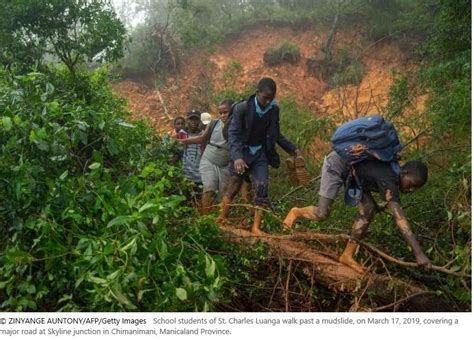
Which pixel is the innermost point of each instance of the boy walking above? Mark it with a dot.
(192, 152)
(254, 131)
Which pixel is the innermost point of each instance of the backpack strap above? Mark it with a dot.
(225, 129)
(353, 188)
(212, 126)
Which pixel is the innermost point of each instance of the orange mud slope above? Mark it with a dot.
(206, 73)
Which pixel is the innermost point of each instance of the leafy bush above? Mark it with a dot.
(232, 71)
(352, 74)
(90, 206)
(344, 68)
(285, 52)
(447, 71)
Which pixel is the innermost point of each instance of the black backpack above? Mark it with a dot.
(225, 129)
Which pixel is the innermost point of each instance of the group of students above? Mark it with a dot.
(234, 151)
(206, 153)
(237, 149)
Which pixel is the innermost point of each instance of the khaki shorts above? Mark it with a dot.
(333, 175)
(214, 178)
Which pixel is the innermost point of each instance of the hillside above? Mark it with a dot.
(206, 73)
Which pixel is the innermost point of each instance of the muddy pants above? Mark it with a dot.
(258, 170)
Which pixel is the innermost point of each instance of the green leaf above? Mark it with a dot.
(66, 297)
(210, 267)
(120, 220)
(3, 284)
(97, 280)
(49, 88)
(125, 124)
(163, 251)
(112, 147)
(64, 175)
(108, 249)
(114, 275)
(147, 206)
(455, 268)
(181, 294)
(31, 289)
(121, 297)
(7, 123)
(129, 245)
(94, 166)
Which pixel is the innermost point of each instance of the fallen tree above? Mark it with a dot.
(388, 292)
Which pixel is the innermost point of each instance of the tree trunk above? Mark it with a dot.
(332, 34)
(341, 278)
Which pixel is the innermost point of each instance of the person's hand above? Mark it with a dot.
(423, 261)
(240, 166)
(173, 134)
(297, 153)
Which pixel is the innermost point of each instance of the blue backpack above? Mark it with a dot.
(365, 138)
(369, 137)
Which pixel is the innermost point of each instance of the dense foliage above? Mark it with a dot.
(90, 204)
(94, 216)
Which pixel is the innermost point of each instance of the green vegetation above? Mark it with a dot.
(344, 68)
(95, 218)
(349, 69)
(233, 70)
(70, 31)
(90, 203)
(285, 52)
(90, 206)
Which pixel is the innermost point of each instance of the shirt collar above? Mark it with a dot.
(261, 111)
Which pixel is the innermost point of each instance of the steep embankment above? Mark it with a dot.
(238, 63)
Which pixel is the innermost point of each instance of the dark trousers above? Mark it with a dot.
(258, 170)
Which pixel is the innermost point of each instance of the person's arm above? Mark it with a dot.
(198, 139)
(404, 227)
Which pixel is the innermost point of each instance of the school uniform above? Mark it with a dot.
(253, 135)
(214, 162)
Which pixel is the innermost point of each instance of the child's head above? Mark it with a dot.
(224, 109)
(193, 120)
(414, 175)
(179, 123)
(266, 91)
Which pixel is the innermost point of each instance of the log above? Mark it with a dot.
(341, 278)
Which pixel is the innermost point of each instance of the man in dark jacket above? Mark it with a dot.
(254, 131)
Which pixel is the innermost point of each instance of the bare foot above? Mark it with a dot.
(256, 232)
(349, 261)
(290, 219)
(423, 261)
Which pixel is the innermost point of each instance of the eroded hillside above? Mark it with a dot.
(239, 63)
